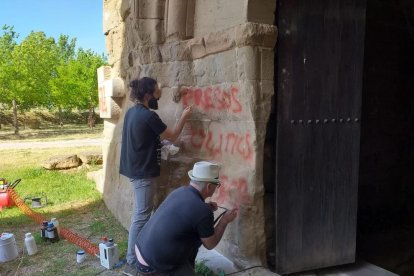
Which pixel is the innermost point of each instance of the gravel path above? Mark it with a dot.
(52, 144)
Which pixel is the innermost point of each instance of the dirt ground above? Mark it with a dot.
(51, 144)
(60, 258)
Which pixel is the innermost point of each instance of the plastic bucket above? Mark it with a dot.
(8, 248)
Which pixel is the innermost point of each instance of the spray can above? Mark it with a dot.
(52, 233)
(43, 231)
(30, 243)
(56, 224)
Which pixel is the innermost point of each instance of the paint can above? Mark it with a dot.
(80, 256)
(8, 248)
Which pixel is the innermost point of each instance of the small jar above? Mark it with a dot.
(80, 256)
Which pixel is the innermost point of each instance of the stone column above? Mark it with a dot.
(179, 15)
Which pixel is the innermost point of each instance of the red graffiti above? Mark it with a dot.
(103, 109)
(212, 98)
(232, 191)
(222, 143)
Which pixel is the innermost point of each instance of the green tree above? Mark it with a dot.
(88, 62)
(41, 72)
(7, 45)
(61, 83)
(26, 69)
(35, 59)
(76, 83)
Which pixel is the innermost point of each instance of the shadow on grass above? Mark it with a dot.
(90, 220)
(48, 132)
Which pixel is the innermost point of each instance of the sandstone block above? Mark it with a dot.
(109, 107)
(126, 8)
(256, 35)
(111, 15)
(103, 73)
(150, 31)
(143, 56)
(218, 15)
(155, 54)
(264, 101)
(62, 162)
(175, 51)
(224, 101)
(216, 69)
(91, 157)
(221, 141)
(224, 67)
(168, 107)
(116, 188)
(115, 43)
(97, 177)
(197, 47)
(248, 63)
(261, 11)
(114, 88)
(180, 51)
(219, 41)
(267, 61)
(124, 65)
(251, 224)
(201, 71)
(118, 68)
(170, 74)
(151, 9)
(179, 19)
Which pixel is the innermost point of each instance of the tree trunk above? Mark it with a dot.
(91, 117)
(60, 116)
(15, 121)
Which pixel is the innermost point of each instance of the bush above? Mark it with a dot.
(76, 117)
(37, 117)
(31, 120)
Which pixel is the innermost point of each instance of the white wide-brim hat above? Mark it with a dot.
(205, 171)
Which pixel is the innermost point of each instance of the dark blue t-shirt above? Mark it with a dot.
(141, 147)
(174, 232)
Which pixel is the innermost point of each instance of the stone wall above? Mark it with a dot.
(218, 56)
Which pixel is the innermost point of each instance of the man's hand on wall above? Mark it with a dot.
(187, 112)
(230, 215)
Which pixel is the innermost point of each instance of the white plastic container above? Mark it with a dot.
(108, 254)
(8, 247)
(30, 243)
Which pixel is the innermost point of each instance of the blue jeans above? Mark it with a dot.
(143, 205)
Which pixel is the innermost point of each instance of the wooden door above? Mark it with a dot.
(319, 82)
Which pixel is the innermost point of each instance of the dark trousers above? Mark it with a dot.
(185, 269)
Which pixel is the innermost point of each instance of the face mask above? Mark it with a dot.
(153, 103)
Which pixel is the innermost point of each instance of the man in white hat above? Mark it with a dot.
(169, 242)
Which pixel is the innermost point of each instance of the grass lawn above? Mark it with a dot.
(72, 199)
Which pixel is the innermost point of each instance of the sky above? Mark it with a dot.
(80, 19)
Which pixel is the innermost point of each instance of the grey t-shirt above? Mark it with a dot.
(141, 147)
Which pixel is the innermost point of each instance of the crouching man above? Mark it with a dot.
(169, 242)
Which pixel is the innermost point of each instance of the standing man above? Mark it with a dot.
(141, 154)
(169, 242)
